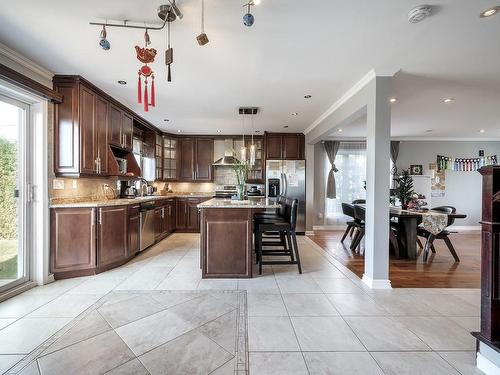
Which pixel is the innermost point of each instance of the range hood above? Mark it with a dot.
(228, 158)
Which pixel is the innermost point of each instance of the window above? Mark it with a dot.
(350, 179)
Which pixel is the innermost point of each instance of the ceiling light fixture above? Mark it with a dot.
(121, 82)
(339, 130)
(419, 13)
(166, 120)
(202, 38)
(429, 131)
(248, 18)
(179, 130)
(295, 113)
(490, 12)
(448, 100)
(307, 96)
(393, 100)
(218, 131)
(285, 126)
(482, 131)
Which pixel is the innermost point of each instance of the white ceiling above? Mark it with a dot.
(316, 47)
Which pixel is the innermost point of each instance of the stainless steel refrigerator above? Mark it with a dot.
(288, 178)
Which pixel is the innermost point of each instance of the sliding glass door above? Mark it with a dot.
(15, 193)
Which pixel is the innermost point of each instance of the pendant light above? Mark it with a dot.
(169, 54)
(243, 150)
(252, 146)
(202, 38)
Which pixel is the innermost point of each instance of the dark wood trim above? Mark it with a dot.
(28, 84)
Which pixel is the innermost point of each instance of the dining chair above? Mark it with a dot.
(348, 210)
(359, 201)
(443, 235)
(359, 216)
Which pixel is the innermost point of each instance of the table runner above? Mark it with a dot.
(434, 222)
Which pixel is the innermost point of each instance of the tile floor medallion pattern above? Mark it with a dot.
(155, 315)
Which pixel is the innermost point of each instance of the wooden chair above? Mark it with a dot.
(348, 210)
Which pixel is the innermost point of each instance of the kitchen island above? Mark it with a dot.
(227, 236)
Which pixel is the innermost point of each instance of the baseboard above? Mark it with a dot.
(376, 283)
(465, 228)
(486, 366)
(329, 227)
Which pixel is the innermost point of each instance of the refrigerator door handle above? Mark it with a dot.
(286, 184)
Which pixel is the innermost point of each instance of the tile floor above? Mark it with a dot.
(324, 321)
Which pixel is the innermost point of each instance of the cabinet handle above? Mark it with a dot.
(100, 217)
(163, 212)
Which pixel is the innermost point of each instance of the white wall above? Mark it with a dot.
(463, 189)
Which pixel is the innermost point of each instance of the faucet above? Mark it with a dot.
(144, 183)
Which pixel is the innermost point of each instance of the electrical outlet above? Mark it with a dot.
(58, 184)
(75, 184)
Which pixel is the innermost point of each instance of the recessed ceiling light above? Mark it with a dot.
(307, 96)
(286, 126)
(121, 82)
(166, 120)
(179, 130)
(257, 131)
(482, 131)
(490, 12)
(339, 130)
(218, 131)
(429, 131)
(393, 100)
(448, 100)
(295, 113)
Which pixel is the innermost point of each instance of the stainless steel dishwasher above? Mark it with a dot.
(147, 224)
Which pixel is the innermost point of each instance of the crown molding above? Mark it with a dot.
(25, 62)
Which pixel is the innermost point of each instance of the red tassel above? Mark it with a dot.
(146, 109)
(153, 91)
(139, 90)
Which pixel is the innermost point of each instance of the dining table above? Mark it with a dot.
(407, 222)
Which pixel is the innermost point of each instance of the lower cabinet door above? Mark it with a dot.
(181, 214)
(193, 215)
(72, 240)
(112, 235)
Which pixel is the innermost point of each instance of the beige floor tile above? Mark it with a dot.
(271, 334)
(341, 363)
(309, 305)
(277, 363)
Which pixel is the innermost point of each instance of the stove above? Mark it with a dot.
(225, 191)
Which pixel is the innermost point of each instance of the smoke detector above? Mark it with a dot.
(419, 13)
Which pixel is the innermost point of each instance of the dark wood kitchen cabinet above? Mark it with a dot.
(188, 215)
(112, 235)
(186, 159)
(72, 241)
(164, 218)
(195, 157)
(181, 221)
(85, 241)
(121, 128)
(81, 130)
(285, 146)
(204, 159)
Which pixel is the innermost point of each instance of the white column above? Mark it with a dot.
(377, 185)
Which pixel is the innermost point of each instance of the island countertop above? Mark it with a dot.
(230, 203)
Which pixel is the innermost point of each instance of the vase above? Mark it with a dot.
(240, 190)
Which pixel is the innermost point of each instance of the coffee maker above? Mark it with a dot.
(127, 189)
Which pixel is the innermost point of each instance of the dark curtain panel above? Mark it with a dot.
(331, 149)
(394, 158)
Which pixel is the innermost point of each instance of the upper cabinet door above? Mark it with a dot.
(204, 159)
(88, 161)
(186, 149)
(101, 128)
(115, 126)
(274, 145)
(293, 146)
(127, 131)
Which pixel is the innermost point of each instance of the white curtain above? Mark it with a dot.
(350, 178)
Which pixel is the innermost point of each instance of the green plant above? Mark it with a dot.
(241, 171)
(8, 227)
(404, 189)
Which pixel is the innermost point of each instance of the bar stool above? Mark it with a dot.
(273, 238)
(284, 225)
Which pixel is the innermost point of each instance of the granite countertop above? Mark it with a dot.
(228, 203)
(75, 203)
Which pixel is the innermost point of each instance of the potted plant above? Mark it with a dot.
(241, 171)
(404, 189)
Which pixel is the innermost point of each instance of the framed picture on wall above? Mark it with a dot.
(416, 169)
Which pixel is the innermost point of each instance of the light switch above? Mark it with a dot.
(58, 184)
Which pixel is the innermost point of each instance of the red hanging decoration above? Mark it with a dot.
(153, 101)
(146, 55)
(146, 104)
(139, 89)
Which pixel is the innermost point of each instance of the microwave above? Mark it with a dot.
(122, 165)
